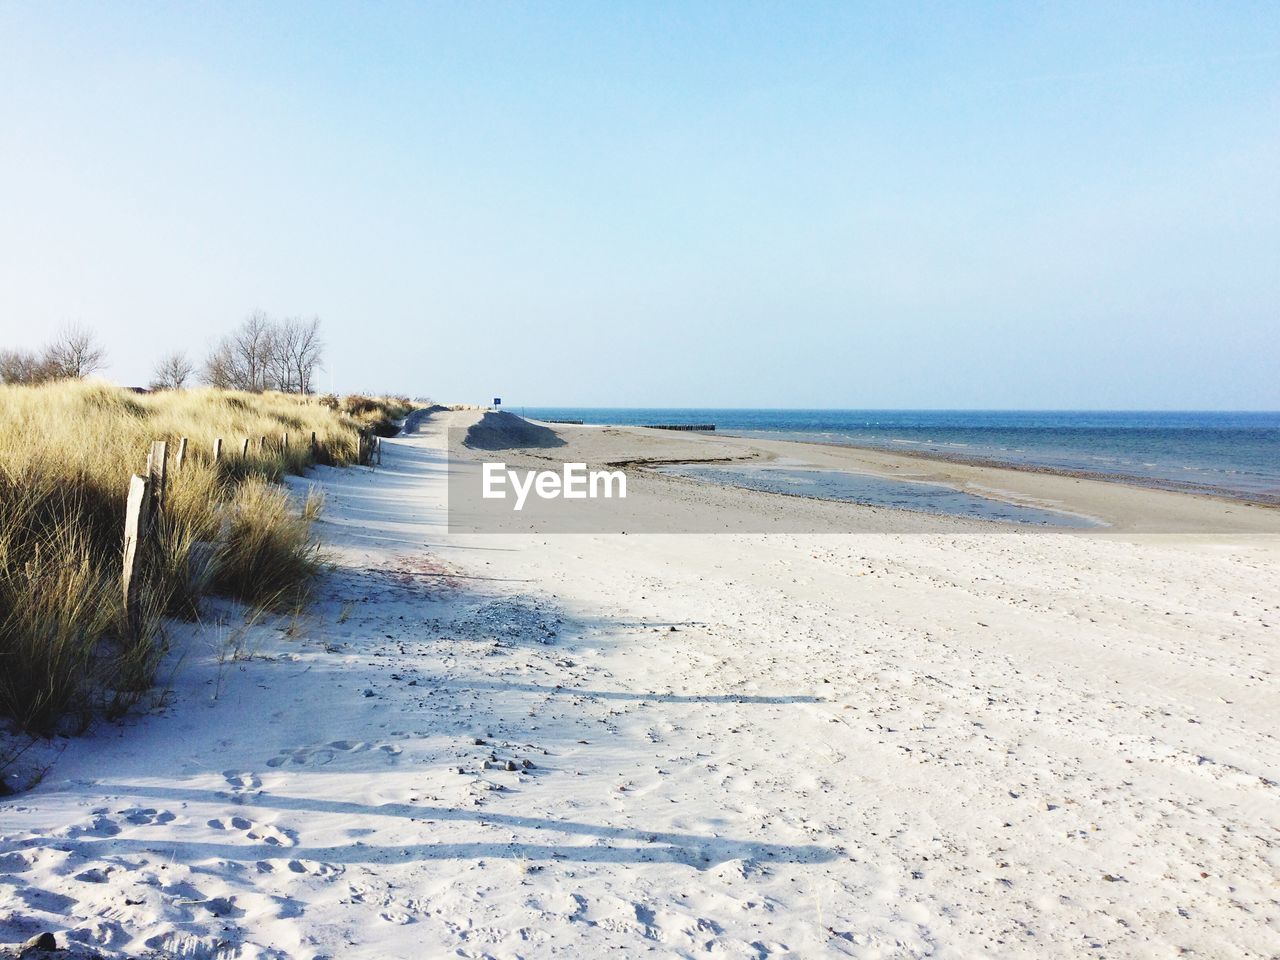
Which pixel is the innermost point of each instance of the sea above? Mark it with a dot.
(1230, 454)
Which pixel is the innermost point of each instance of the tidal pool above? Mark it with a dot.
(864, 488)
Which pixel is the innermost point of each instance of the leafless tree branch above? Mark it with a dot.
(172, 372)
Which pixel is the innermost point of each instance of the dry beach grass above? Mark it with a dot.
(67, 450)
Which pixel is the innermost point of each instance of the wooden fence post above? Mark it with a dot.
(262, 444)
(181, 456)
(136, 518)
(217, 449)
(157, 470)
(284, 444)
(377, 446)
(244, 448)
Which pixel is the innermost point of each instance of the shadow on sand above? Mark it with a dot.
(623, 844)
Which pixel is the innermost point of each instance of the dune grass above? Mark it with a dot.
(377, 415)
(67, 450)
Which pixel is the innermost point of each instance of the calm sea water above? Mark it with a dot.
(1234, 454)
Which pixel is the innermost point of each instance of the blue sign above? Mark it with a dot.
(497, 401)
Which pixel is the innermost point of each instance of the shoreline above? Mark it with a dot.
(1122, 506)
(1262, 499)
(1271, 501)
(1226, 454)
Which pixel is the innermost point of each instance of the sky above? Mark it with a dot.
(864, 205)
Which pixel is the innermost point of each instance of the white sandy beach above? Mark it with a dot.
(942, 743)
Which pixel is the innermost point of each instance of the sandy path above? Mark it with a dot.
(883, 745)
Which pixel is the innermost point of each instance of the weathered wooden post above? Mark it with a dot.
(244, 449)
(217, 449)
(284, 444)
(315, 447)
(262, 444)
(181, 455)
(377, 447)
(136, 518)
(157, 470)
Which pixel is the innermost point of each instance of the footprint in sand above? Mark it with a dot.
(146, 816)
(314, 868)
(14, 863)
(100, 826)
(242, 785)
(104, 824)
(48, 901)
(325, 753)
(241, 781)
(261, 832)
(99, 933)
(287, 908)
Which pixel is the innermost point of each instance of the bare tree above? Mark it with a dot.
(242, 360)
(278, 375)
(22, 366)
(172, 372)
(254, 346)
(74, 353)
(297, 354)
(265, 354)
(217, 367)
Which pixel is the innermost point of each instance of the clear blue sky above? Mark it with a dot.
(840, 205)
